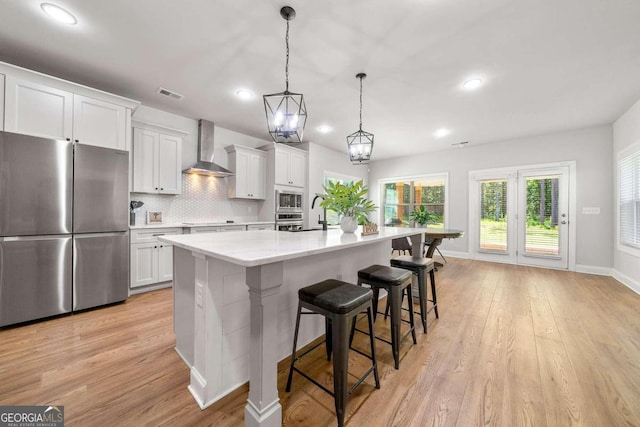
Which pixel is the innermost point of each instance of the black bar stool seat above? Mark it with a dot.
(396, 282)
(339, 302)
(419, 266)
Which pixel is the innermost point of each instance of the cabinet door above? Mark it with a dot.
(282, 167)
(99, 123)
(243, 173)
(145, 144)
(165, 262)
(144, 264)
(35, 109)
(297, 169)
(1, 101)
(258, 176)
(169, 164)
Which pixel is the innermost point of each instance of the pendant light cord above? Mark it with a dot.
(286, 67)
(360, 103)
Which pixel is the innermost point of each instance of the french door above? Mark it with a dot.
(521, 216)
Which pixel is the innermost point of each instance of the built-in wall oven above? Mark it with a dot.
(288, 201)
(289, 221)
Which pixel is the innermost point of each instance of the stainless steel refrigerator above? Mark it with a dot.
(64, 240)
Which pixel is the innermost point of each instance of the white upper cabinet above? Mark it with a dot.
(290, 166)
(250, 168)
(169, 164)
(157, 162)
(100, 123)
(1, 101)
(36, 109)
(48, 107)
(145, 144)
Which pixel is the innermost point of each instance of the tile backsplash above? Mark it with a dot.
(203, 199)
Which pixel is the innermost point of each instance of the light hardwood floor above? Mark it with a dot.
(513, 346)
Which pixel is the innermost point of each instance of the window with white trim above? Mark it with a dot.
(401, 197)
(629, 200)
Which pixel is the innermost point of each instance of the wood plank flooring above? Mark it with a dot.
(514, 346)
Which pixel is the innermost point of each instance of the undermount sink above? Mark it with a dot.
(305, 229)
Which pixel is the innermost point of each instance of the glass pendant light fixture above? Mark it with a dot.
(286, 111)
(360, 143)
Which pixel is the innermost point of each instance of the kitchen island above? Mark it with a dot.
(227, 335)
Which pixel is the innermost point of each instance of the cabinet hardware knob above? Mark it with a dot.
(155, 247)
(162, 189)
(77, 140)
(68, 139)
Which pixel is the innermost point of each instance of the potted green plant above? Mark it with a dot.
(422, 216)
(349, 201)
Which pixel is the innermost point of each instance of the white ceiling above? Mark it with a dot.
(549, 65)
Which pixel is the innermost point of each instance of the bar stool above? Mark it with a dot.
(396, 282)
(339, 302)
(419, 267)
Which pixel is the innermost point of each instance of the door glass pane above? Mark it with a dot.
(541, 232)
(397, 199)
(493, 215)
(430, 194)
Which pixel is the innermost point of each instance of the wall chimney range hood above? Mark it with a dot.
(204, 164)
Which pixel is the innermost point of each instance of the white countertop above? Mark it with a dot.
(251, 248)
(199, 224)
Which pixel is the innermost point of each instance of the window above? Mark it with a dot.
(629, 200)
(332, 217)
(401, 197)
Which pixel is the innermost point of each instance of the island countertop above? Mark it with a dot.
(252, 248)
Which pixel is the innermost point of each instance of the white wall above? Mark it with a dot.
(590, 148)
(626, 132)
(203, 199)
(323, 159)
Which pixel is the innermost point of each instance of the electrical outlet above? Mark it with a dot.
(198, 294)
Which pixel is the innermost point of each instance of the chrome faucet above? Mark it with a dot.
(324, 211)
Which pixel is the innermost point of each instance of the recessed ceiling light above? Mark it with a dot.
(244, 94)
(441, 133)
(472, 84)
(58, 13)
(324, 128)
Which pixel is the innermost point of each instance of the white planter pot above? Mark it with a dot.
(348, 224)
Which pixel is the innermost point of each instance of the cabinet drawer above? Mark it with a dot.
(151, 235)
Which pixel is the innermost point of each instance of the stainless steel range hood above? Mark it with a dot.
(205, 165)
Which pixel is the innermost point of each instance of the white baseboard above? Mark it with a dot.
(591, 269)
(454, 254)
(630, 283)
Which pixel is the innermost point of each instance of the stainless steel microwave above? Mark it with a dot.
(288, 201)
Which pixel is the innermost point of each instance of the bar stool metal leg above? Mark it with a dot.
(293, 352)
(340, 338)
(422, 296)
(432, 276)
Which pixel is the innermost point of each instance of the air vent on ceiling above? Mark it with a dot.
(165, 92)
(460, 144)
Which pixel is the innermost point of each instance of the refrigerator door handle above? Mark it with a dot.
(87, 235)
(28, 238)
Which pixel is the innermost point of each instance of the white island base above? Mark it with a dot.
(228, 335)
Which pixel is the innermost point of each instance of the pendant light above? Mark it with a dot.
(360, 143)
(286, 111)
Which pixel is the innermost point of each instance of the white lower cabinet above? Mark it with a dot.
(269, 226)
(217, 229)
(151, 260)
